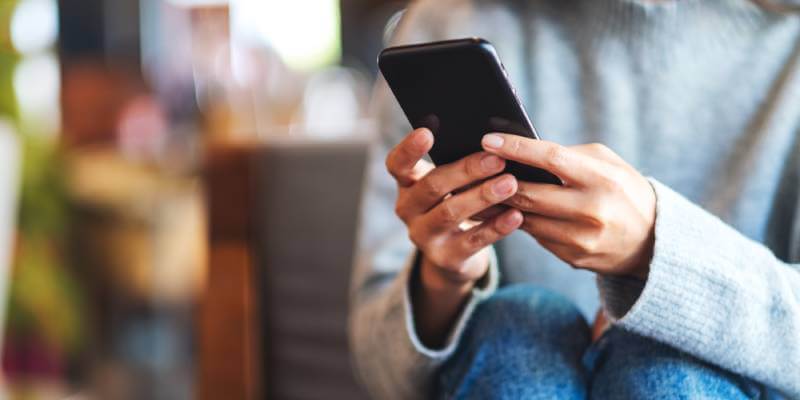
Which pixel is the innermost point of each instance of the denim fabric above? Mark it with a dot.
(527, 342)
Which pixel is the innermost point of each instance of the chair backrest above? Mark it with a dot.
(306, 206)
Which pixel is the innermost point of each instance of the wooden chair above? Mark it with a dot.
(282, 226)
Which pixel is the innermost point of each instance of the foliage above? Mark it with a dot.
(44, 298)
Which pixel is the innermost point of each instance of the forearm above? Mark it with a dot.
(711, 290)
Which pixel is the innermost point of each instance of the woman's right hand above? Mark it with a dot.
(453, 248)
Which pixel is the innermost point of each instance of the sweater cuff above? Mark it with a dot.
(485, 288)
(683, 274)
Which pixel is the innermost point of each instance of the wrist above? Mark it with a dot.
(437, 298)
(442, 281)
(640, 266)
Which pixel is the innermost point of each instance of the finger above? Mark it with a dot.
(458, 208)
(403, 158)
(557, 231)
(601, 152)
(548, 200)
(489, 213)
(571, 166)
(469, 242)
(429, 191)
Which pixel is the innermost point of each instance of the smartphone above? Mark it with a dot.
(460, 91)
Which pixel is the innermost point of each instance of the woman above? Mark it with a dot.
(682, 227)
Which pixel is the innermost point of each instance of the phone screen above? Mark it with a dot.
(459, 90)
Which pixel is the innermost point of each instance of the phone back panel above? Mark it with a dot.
(459, 90)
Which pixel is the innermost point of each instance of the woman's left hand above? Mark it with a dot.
(602, 219)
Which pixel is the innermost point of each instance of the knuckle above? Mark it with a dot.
(598, 148)
(597, 214)
(430, 187)
(401, 205)
(448, 213)
(487, 195)
(401, 211)
(477, 240)
(523, 200)
(472, 167)
(609, 183)
(393, 174)
(612, 180)
(516, 146)
(587, 244)
(555, 157)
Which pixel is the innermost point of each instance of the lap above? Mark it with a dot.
(529, 342)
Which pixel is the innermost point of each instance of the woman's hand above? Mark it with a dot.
(437, 205)
(602, 219)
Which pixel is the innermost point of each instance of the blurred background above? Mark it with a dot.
(169, 227)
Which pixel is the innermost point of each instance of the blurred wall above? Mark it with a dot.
(99, 29)
(363, 23)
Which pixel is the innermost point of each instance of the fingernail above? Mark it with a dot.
(511, 219)
(503, 187)
(421, 139)
(493, 141)
(491, 163)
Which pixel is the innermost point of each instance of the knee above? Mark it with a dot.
(523, 341)
(529, 314)
(630, 366)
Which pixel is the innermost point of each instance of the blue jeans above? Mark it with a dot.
(531, 343)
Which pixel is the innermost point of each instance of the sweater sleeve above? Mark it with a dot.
(715, 294)
(390, 359)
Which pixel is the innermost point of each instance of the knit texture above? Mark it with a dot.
(702, 96)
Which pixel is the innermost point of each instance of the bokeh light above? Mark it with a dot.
(305, 33)
(34, 25)
(37, 83)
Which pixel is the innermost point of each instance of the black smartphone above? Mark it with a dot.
(460, 91)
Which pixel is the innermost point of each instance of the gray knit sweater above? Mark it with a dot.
(703, 96)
